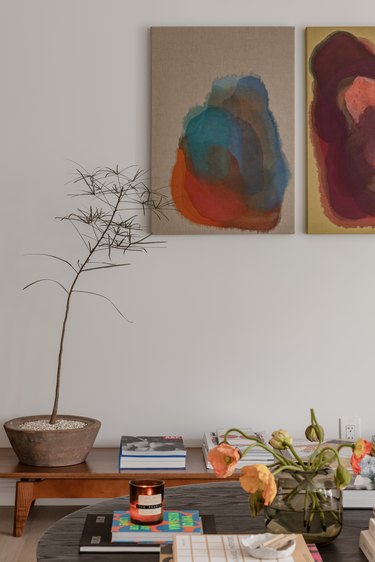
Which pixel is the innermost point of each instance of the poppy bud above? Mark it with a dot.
(314, 433)
(342, 477)
(280, 439)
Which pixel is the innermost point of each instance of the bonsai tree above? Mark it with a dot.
(109, 227)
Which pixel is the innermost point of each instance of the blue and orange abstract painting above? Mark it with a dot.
(222, 129)
(341, 115)
(230, 170)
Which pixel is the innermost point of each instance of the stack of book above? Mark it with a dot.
(254, 456)
(165, 452)
(367, 541)
(115, 532)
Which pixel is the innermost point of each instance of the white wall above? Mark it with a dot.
(246, 330)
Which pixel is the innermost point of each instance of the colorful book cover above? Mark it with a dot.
(187, 521)
(96, 537)
(161, 445)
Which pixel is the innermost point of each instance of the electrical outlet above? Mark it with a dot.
(350, 427)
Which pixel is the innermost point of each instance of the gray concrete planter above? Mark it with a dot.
(52, 448)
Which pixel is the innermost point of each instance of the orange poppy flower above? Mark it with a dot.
(258, 477)
(360, 449)
(224, 459)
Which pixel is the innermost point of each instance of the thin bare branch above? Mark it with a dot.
(107, 299)
(54, 257)
(41, 280)
(105, 266)
(79, 234)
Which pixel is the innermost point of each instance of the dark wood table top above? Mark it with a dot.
(226, 501)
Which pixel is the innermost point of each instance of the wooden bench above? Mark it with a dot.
(98, 477)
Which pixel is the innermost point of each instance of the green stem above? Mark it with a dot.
(305, 511)
(334, 451)
(344, 445)
(257, 442)
(293, 468)
(299, 460)
(312, 456)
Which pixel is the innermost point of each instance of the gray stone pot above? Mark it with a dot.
(52, 448)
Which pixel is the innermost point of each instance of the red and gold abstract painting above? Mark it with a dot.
(222, 129)
(341, 130)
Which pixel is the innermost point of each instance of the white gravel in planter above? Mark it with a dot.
(43, 425)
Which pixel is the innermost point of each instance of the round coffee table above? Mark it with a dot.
(226, 501)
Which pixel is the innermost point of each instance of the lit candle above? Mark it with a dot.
(146, 498)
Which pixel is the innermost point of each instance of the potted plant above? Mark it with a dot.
(112, 225)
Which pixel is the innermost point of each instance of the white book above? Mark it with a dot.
(205, 456)
(152, 463)
(210, 440)
(358, 498)
(226, 548)
(367, 545)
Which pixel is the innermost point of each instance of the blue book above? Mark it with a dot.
(151, 463)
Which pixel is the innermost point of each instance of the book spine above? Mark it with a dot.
(371, 527)
(366, 545)
(153, 455)
(210, 440)
(205, 456)
(152, 468)
(314, 553)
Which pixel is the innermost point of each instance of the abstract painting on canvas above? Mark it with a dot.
(340, 86)
(223, 128)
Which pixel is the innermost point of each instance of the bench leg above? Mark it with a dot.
(24, 500)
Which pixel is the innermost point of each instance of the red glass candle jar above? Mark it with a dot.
(146, 498)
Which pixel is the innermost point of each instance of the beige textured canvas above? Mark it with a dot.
(185, 63)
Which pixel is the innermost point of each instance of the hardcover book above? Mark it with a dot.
(146, 445)
(174, 522)
(97, 536)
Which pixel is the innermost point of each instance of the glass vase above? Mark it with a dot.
(308, 503)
